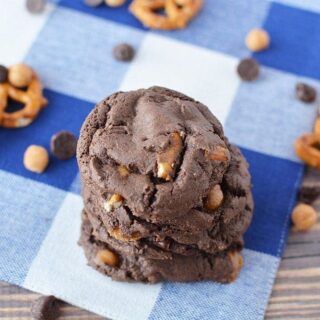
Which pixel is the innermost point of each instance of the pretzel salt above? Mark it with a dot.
(32, 98)
(177, 12)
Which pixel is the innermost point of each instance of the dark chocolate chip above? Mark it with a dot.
(63, 145)
(123, 52)
(308, 194)
(305, 92)
(93, 3)
(45, 308)
(248, 69)
(3, 74)
(35, 6)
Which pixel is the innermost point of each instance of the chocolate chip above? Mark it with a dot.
(123, 52)
(45, 308)
(93, 3)
(248, 69)
(35, 6)
(308, 194)
(3, 74)
(63, 145)
(310, 187)
(305, 92)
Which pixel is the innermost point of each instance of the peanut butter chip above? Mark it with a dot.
(117, 234)
(304, 217)
(36, 158)
(20, 75)
(215, 198)
(114, 202)
(107, 257)
(167, 159)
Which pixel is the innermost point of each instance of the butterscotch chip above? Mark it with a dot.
(20, 75)
(304, 217)
(114, 3)
(107, 257)
(257, 40)
(215, 198)
(36, 158)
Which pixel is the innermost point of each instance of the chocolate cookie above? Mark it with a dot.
(158, 173)
(211, 231)
(223, 267)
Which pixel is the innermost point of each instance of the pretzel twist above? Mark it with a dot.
(177, 12)
(32, 98)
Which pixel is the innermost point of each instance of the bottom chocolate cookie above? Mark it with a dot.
(223, 267)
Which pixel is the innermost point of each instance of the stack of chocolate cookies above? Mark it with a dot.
(166, 197)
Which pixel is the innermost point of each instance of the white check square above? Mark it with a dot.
(18, 29)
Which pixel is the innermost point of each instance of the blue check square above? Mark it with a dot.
(295, 41)
(275, 184)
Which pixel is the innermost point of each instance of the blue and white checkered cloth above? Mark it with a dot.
(70, 46)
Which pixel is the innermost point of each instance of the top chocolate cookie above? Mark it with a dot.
(156, 150)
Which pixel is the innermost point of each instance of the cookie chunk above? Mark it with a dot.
(162, 187)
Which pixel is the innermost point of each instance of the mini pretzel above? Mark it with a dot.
(167, 158)
(306, 149)
(178, 12)
(32, 98)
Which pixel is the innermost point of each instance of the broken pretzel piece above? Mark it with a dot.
(114, 202)
(177, 12)
(236, 261)
(123, 171)
(167, 159)
(219, 153)
(307, 148)
(117, 234)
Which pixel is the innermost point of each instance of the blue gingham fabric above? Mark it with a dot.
(70, 46)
